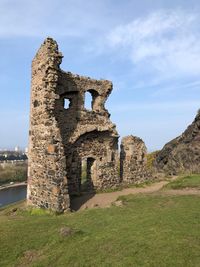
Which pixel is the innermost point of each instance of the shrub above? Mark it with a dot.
(13, 173)
(150, 158)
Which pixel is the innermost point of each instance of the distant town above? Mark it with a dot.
(13, 155)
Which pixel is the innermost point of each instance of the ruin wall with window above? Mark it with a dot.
(64, 134)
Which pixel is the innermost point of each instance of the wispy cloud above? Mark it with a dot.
(192, 87)
(155, 106)
(165, 42)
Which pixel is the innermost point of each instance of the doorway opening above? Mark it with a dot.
(88, 174)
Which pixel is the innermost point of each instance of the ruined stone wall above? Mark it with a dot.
(61, 137)
(64, 134)
(133, 161)
(47, 175)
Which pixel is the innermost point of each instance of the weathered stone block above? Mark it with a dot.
(51, 148)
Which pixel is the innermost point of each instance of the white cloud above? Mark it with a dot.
(168, 42)
(153, 25)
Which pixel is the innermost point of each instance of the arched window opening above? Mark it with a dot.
(88, 100)
(67, 103)
(92, 100)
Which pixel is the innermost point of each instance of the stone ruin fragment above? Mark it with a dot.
(133, 160)
(64, 135)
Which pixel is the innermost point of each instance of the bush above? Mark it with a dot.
(150, 158)
(13, 173)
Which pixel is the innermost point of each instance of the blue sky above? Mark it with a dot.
(149, 49)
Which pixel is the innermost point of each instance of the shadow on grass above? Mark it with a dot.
(78, 201)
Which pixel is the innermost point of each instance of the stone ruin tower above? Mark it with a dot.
(64, 135)
(133, 160)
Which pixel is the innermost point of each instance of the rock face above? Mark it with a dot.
(133, 160)
(64, 134)
(183, 153)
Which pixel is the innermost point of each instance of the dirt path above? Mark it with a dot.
(104, 200)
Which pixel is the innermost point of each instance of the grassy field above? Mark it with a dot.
(13, 173)
(148, 231)
(191, 181)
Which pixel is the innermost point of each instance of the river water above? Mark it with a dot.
(12, 194)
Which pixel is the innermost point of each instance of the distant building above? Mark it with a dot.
(16, 149)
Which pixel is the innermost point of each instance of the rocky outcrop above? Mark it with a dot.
(182, 154)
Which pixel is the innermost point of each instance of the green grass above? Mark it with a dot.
(191, 181)
(13, 173)
(148, 231)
